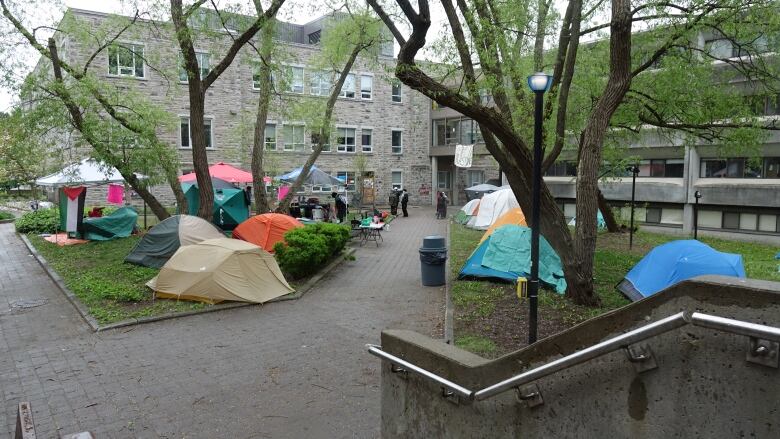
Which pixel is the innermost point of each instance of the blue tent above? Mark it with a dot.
(674, 262)
(506, 255)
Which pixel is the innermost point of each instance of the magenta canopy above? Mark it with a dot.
(223, 172)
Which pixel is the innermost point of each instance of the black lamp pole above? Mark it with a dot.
(696, 195)
(634, 171)
(539, 83)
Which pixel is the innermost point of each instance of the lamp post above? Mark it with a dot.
(634, 171)
(539, 83)
(696, 195)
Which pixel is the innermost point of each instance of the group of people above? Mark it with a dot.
(396, 197)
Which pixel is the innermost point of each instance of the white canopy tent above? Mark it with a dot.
(87, 172)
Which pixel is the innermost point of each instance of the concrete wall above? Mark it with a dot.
(702, 387)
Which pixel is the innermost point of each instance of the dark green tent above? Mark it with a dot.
(230, 208)
(162, 240)
(119, 224)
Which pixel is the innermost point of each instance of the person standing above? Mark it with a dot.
(341, 206)
(441, 205)
(394, 202)
(404, 202)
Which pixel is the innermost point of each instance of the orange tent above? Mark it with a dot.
(265, 230)
(512, 216)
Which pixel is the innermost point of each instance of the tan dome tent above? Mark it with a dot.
(221, 269)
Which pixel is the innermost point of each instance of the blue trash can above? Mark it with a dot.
(433, 255)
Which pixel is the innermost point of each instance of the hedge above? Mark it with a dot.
(40, 221)
(305, 250)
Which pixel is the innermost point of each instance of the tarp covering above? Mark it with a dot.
(119, 224)
(478, 191)
(461, 217)
(222, 171)
(221, 269)
(600, 223)
(230, 208)
(493, 206)
(162, 240)
(674, 262)
(513, 216)
(266, 230)
(86, 172)
(315, 177)
(506, 255)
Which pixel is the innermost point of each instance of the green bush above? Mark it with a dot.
(305, 250)
(41, 221)
(6, 215)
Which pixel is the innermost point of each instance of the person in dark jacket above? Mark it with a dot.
(404, 201)
(341, 206)
(393, 202)
(441, 205)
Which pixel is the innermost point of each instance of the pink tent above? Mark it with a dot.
(224, 172)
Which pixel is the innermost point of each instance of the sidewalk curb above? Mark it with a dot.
(96, 327)
(449, 313)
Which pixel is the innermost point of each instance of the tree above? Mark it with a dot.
(258, 140)
(504, 40)
(343, 41)
(198, 83)
(23, 152)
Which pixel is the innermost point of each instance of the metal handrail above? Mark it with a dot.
(621, 341)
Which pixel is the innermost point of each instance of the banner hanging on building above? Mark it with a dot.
(463, 155)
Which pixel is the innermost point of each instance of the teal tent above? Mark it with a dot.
(119, 224)
(230, 207)
(506, 255)
(600, 223)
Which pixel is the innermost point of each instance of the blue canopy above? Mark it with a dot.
(674, 262)
(315, 177)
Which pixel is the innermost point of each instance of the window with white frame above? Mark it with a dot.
(325, 145)
(396, 91)
(397, 146)
(257, 81)
(126, 60)
(293, 79)
(323, 188)
(476, 177)
(185, 133)
(397, 179)
(345, 139)
(203, 66)
(367, 140)
(320, 83)
(270, 137)
(348, 89)
(366, 86)
(443, 180)
(293, 137)
(348, 178)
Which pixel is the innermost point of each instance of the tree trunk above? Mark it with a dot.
(172, 177)
(258, 144)
(609, 216)
(593, 137)
(156, 207)
(284, 204)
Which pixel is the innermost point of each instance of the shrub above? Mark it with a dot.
(40, 221)
(306, 249)
(6, 215)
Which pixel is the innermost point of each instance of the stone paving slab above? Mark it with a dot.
(283, 370)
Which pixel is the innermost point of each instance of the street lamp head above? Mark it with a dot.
(539, 82)
(634, 169)
(697, 194)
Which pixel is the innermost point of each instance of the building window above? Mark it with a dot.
(397, 180)
(367, 140)
(345, 139)
(314, 37)
(730, 220)
(476, 177)
(366, 86)
(674, 168)
(657, 168)
(562, 169)
(185, 133)
(325, 145)
(319, 84)
(256, 80)
(396, 91)
(293, 138)
(126, 60)
(731, 168)
(653, 215)
(443, 180)
(348, 178)
(397, 142)
(270, 137)
(719, 48)
(454, 131)
(293, 79)
(348, 89)
(203, 65)
(767, 223)
(772, 167)
(748, 221)
(710, 218)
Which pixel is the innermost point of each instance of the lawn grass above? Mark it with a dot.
(490, 310)
(110, 289)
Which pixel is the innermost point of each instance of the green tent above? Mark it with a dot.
(230, 208)
(162, 241)
(119, 224)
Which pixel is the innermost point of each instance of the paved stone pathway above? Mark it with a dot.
(295, 369)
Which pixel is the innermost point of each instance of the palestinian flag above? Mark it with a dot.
(72, 208)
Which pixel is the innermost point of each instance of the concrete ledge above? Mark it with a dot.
(95, 326)
(449, 308)
(7, 221)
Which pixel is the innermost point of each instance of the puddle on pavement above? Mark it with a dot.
(24, 304)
